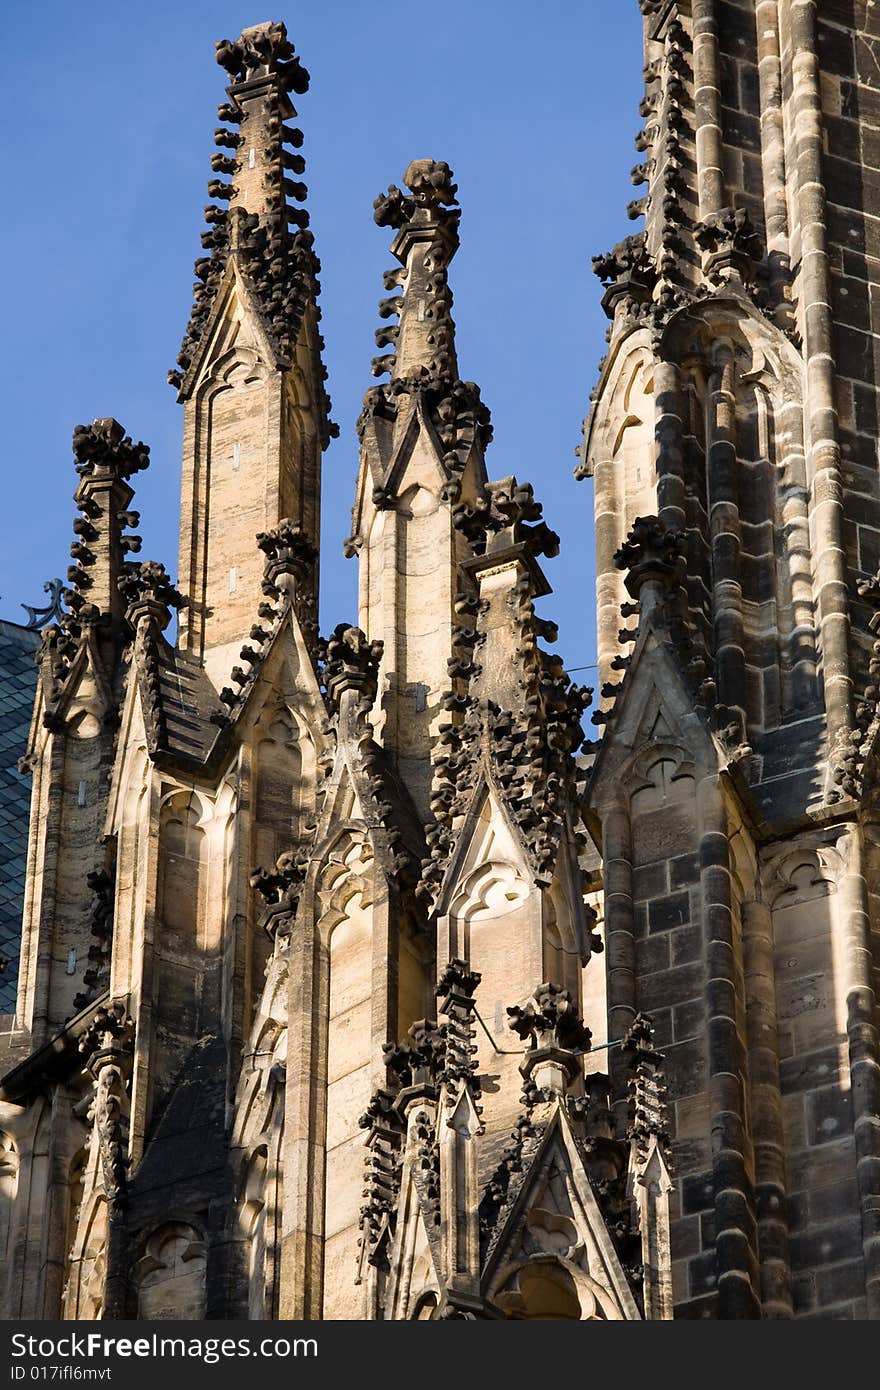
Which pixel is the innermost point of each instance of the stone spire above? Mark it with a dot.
(249, 372)
(427, 238)
(423, 435)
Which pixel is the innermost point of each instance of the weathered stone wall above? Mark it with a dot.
(755, 288)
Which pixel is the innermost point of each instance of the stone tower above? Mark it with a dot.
(308, 924)
(734, 792)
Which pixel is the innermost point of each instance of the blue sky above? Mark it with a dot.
(109, 113)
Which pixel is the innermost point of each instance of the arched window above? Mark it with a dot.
(169, 1278)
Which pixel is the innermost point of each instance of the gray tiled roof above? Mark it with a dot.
(18, 679)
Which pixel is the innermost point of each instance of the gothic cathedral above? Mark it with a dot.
(355, 982)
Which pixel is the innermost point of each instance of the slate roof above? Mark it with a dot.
(187, 698)
(18, 680)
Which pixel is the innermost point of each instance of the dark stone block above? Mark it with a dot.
(829, 1115)
(683, 982)
(689, 1020)
(854, 354)
(797, 1208)
(649, 880)
(809, 1070)
(685, 1237)
(836, 52)
(686, 1067)
(697, 1193)
(691, 1156)
(669, 912)
(736, 30)
(652, 954)
(728, 71)
(850, 300)
(841, 1283)
(827, 1245)
(741, 130)
(843, 137)
(839, 1199)
(803, 1291)
(694, 1309)
(662, 834)
(749, 87)
(869, 549)
(684, 870)
(686, 944)
(859, 102)
(865, 410)
(703, 1274)
(662, 1027)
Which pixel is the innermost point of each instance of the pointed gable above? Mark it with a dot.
(552, 1254)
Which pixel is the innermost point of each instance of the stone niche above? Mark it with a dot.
(169, 1278)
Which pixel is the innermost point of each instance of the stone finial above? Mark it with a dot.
(260, 50)
(351, 663)
(418, 1059)
(432, 193)
(426, 219)
(647, 1088)
(290, 555)
(382, 1171)
(101, 885)
(550, 1019)
(104, 449)
(653, 555)
(732, 248)
(149, 594)
(110, 1030)
(107, 1047)
(105, 458)
(39, 617)
(455, 1000)
(629, 274)
(557, 1036)
(500, 518)
(256, 220)
(281, 890)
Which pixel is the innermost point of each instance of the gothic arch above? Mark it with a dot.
(168, 1280)
(183, 853)
(238, 366)
(662, 766)
(84, 1296)
(627, 393)
(9, 1175)
(253, 1218)
(801, 873)
(551, 1288)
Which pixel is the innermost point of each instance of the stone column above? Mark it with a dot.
(773, 147)
(826, 488)
(864, 1054)
(724, 530)
(707, 107)
(768, 1135)
(668, 439)
(794, 497)
(620, 950)
(735, 1232)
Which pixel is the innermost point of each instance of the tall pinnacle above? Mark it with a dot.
(264, 71)
(427, 239)
(249, 372)
(255, 220)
